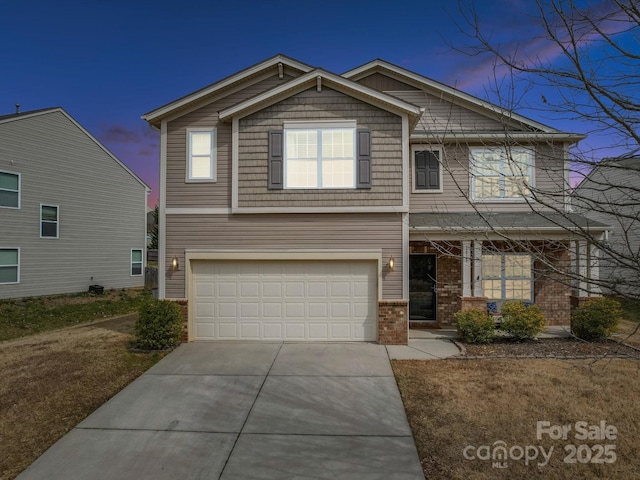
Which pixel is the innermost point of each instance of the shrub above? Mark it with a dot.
(596, 319)
(475, 326)
(159, 325)
(520, 321)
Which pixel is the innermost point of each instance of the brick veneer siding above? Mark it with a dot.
(449, 278)
(552, 292)
(392, 322)
(473, 302)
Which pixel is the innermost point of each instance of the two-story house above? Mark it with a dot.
(297, 204)
(71, 214)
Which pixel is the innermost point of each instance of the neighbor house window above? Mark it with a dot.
(427, 171)
(507, 276)
(501, 173)
(9, 265)
(201, 155)
(320, 155)
(136, 262)
(9, 190)
(49, 221)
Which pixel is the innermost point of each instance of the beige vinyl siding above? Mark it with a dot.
(181, 194)
(383, 83)
(548, 177)
(442, 115)
(102, 209)
(386, 152)
(272, 232)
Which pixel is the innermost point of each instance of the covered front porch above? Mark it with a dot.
(460, 261)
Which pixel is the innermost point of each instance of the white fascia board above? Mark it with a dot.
(508, 229)
(471, 136)
(276, 94)
(165, 109)
(433, 84)
(355, 209)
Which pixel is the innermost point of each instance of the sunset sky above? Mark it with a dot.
(108, 62)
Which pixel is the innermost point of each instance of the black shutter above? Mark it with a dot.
(427, 168)
(421, 170)
(276, 159)
(363, 160)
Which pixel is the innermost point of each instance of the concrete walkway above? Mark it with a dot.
(235, 411)
(431, 344)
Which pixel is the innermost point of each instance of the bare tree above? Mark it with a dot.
(590, 74)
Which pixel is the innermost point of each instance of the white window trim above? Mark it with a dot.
(213, 159)
(18, 265)
(503, 278)
(141, 262)
(472, 176)
(57, 220)
(420, 148)
(320, 125)
(19, 189)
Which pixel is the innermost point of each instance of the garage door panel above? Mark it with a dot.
(284, 300)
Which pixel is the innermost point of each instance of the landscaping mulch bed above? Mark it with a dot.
(549, 348)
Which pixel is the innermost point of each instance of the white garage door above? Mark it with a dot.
(284, 300)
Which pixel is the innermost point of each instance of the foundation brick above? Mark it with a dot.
(393, 328)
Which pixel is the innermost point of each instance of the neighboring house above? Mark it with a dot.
(71, 214)
(298, 204)
(610, 194)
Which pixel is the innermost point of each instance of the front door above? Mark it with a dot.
(422, 287)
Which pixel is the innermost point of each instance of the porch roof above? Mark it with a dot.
(551, 222)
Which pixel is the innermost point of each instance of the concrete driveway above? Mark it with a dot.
(246, 410)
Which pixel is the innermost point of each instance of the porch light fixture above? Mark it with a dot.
(392, 264)
(175, 264)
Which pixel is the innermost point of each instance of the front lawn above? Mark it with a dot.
(52, 381)
(26, 316)
(462, 411)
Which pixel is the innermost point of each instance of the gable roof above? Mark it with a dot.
(45, 111)
(155, 116)
(321, 77)
(461, 98)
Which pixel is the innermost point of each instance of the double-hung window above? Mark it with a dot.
(201, 155)
(320, 155)
(9, 265)
(49, 221)
(507, 276)
(501, 173)
(9, 190)
(136, 262)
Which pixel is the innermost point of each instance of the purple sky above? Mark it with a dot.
(108, 62)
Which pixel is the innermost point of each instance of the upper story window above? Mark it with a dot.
(507, 276)
(427, 169)
(501, 173)
(201, 155)
(9, 190)
(9, 265)
(320, 155)
(49, 221)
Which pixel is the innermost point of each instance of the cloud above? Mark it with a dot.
(121, 134)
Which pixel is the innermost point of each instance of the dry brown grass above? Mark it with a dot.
(454, 403)
(629, 333)
(51, 381)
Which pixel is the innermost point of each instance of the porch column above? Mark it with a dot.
(477, 268)
(582, 268)
(466, 268)
(594, 270)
